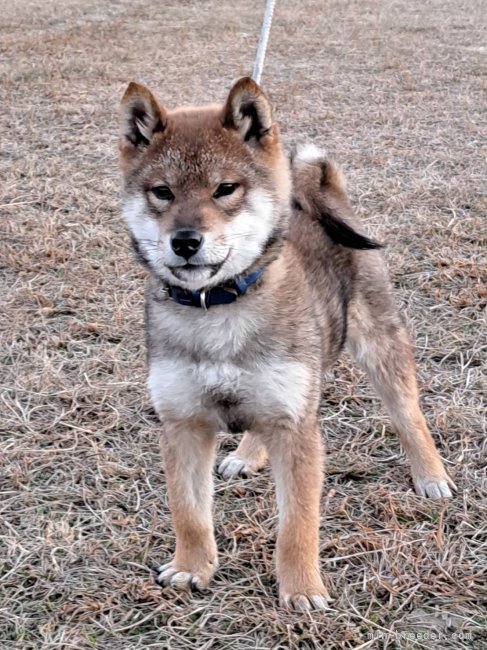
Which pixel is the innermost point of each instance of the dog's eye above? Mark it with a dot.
(225, 189)
(162, 192)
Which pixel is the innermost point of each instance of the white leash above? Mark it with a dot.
(264, 37)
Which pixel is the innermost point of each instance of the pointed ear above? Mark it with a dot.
(142, 116)
(248, 110)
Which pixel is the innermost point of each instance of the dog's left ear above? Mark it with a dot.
(248, 111)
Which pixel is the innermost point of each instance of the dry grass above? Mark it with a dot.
(393, 89)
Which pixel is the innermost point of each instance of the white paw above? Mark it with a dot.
(434, 489)
(234, 466)
(170, 576)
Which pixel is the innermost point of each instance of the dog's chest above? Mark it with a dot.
(217, 363)
(264, 387)
(218, 334)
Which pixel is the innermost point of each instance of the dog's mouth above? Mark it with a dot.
(187, 270)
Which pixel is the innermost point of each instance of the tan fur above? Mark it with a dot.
(296, 458)
(257, 364)
(190, 498)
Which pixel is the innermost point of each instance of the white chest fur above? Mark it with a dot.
(219, 333)
(265, 383)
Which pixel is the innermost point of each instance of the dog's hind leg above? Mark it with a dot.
(380, 344)
(188, 455)
(249, 457)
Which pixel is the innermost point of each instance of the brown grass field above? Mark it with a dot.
(394, 91)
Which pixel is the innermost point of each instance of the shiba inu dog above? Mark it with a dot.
(259, 275)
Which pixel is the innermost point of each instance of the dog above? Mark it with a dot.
(259, 273)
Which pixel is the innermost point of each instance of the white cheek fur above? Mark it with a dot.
(143, 227)
(248, 232)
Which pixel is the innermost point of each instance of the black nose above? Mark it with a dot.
(186, 243)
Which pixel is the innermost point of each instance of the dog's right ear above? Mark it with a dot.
(142, 117)
(248, 111)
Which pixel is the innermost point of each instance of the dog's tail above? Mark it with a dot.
(319, 189)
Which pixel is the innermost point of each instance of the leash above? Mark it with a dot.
(264, 37)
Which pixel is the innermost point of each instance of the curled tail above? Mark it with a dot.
(319, 189)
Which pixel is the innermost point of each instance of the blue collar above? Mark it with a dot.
(219, 295)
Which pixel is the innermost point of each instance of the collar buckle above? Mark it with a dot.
(203, 300)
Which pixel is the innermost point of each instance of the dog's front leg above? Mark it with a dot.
(295, 453)
(188, 450)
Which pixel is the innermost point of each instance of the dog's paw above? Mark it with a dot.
(434, 488)
(170, 575)
(234, 466)
(303, 594)
(305, 602)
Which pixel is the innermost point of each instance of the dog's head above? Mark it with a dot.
(205, 189)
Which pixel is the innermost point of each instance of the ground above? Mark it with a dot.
(394, 91)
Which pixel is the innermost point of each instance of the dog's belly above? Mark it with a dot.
(232, 414)
(235, 394)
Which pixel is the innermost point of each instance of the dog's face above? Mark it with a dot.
(205, 189)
